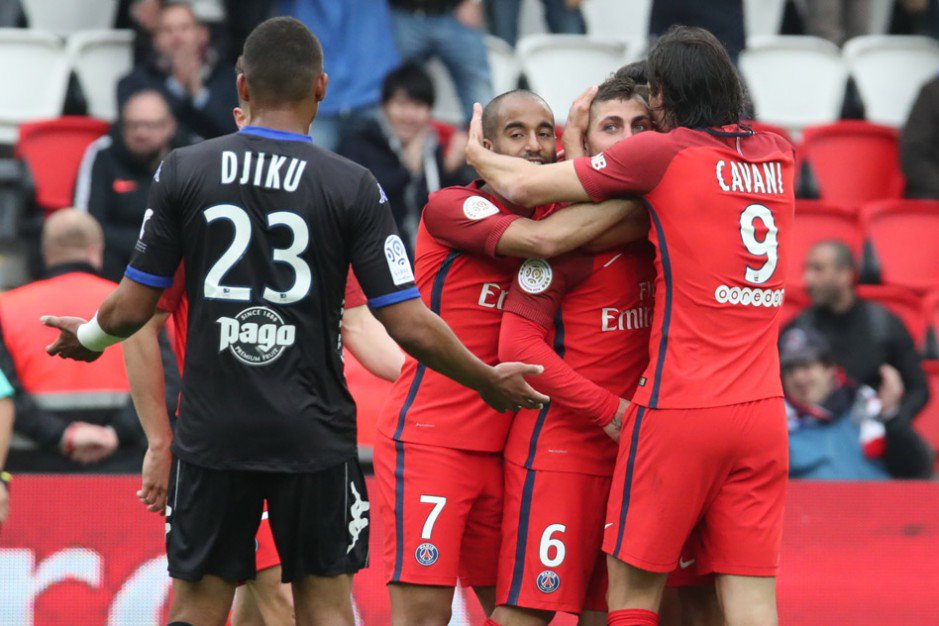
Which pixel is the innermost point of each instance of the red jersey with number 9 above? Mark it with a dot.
(721, 205)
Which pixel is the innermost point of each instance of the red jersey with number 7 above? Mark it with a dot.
(721, 205)
(464, 281)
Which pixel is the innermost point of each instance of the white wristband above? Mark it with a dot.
(91, 335)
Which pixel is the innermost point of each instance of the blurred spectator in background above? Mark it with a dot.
(872, 346)
(78, 414)
(452, 31)
(115, 175)
(359, 50)
(836, 20)
(402, 149)
(199, 87)
(6, 433)
(835, 427)
(919, 144)
(724, 18)
(562, 16)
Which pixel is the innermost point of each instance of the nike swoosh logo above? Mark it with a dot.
(683, 564)
(608, 525)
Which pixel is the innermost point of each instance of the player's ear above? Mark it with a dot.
(487, 144)
(319, 88)
(241, 84)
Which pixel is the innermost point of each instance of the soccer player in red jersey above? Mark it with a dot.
(438, 462)
(704, 447)
(585, 317)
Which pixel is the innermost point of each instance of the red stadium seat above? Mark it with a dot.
(927, 422)
(444, 132)
(902, 302)
(854, 161)
(795, 302)
(53, 150)
(905, 238)
(817, 221)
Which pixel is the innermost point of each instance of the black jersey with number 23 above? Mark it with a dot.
(267, 225)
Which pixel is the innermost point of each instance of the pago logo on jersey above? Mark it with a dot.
(426, 554)
(548, 581)
(256, 336)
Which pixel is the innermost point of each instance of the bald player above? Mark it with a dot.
(438, 457)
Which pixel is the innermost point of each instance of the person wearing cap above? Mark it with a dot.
(836, 427)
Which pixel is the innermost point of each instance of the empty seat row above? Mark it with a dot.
(36, 65)
(798, 81)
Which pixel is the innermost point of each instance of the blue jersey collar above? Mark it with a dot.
(270, 133)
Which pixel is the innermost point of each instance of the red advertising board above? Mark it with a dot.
(82, 551)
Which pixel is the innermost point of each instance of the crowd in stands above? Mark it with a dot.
(852, 368)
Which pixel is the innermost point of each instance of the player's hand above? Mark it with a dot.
(474, 143)
(154, 479)
(67, 345)
(578, 119)
(508, 391)
(613, 429)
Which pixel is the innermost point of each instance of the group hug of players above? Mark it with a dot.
(643, 272)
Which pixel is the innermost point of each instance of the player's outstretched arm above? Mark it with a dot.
(428, 339)
(145, 374)
(522, 339)
(575, 226)
(121, 314)
(370, 344)
(517, 180)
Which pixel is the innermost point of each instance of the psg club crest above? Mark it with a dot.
(548, 581)
(426, 554)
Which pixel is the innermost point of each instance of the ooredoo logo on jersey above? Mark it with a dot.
(256, 336)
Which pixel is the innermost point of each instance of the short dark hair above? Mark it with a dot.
(413, 80)
(618, 87)
(240, 65)
(282, 60)
(492, 110)
(638, 71)
(844, 257)
(698, 83)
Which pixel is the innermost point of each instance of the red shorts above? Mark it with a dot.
(552, 531)
(721, 471)
(265, 553)
(442, 511)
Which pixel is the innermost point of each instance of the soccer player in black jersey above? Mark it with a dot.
(267, 225)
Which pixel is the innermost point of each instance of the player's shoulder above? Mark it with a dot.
(470, 199)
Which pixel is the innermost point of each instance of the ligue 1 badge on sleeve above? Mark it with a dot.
(426, 554)
(477, 207)
(535, 275)
(548, 581)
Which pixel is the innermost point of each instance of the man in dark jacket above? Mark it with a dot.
(116, 172)
(402, 149)
(872, 346)
(919, 144)
(199, 87)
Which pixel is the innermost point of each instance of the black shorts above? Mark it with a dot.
(320, 521)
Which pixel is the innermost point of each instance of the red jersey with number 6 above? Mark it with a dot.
(463, 280)
(721, 204)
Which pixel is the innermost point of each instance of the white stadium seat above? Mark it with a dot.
(889, 71)
(502, 64)
(35, 68)
(560, 67)
(763, 17)
(626, 20)
(880, 13)
(794, 81)
(64, 17)
(100, 58)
